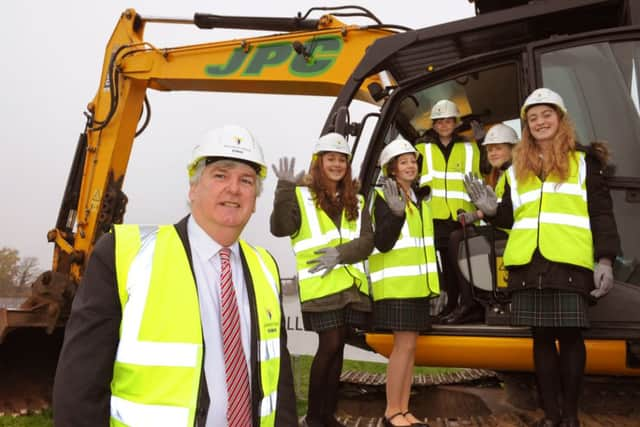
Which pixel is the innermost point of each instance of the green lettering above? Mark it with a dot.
(323, 53)
(233, 64)
(268, 56)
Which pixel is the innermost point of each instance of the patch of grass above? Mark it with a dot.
(40, 420)
(302, 364)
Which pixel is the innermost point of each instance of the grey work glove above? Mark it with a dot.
(481, 195)
(477, 130)
(395, 199)
(467, 218)
(603, 278)
(328, 259)
(285, 171)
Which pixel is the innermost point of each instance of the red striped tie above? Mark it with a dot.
(235, 362)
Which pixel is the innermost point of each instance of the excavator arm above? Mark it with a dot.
(304, 56)
(307, 57)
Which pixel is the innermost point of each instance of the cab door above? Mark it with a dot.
(597, 76)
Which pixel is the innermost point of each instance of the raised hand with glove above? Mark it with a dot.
(395, 199)
(603, 278)
(481, 195)
(328, 259)
(477, 129)
(286, 169)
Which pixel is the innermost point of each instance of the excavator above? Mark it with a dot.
(586, 50)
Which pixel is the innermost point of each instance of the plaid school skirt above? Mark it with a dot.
(549, 308)
(325, 320)
(407, 314)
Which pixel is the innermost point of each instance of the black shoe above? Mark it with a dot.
(465, 314)
(447, 311)
(546, 422)
(386, 421)
(570, 422)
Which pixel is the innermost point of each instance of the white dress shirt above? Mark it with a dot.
(206, 267)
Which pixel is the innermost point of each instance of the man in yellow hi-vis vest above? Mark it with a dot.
(182, 325)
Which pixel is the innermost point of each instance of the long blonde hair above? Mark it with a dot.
(527, 156)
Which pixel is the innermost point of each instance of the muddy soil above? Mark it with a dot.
(485, 405)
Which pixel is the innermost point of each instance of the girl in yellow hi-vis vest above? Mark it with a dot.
(331, 235)
(446, 158)
(403, 270)
(498, 145)
(561, 247)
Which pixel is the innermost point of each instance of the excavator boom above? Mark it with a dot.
(305, 57)
(312, 57)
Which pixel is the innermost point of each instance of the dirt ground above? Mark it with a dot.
(488, 405)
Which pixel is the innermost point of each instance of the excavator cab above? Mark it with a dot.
(488, 65)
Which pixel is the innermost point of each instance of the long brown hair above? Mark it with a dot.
(492, 177)
(332, 204)
(527, 157)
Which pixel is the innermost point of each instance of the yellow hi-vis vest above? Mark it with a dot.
(318, 231)
(156, 376)
(446, 177)
(409, 269)
(551, 216)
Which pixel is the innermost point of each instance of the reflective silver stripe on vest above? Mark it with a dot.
(428, 158)
(451, 194)
(411, 270)
(428, 177)
(145, 353)
(518, 200)
(515, 196)
(138, 414)
(565, 188)
(269, 349)
(448, 175)
(525, 224)
(468, 161)
(553, 218)
(318, 238)
(306, 244)
(268, 404)
(530, 196)
(565, 219)
(407, 241)
(269, 276)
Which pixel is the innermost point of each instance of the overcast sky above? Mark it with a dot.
(52, 58)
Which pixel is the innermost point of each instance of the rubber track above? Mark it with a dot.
(500, 420)
(462, 376)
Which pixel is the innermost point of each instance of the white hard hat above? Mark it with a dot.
(500, 134)
(333, 142)
(229, 142)
(444, 109)
(542, 96)
(394, 149)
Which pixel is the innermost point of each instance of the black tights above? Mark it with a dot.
(324, 377)
(559, 398)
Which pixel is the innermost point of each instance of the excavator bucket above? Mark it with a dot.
(28, 358)
(30, 342)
